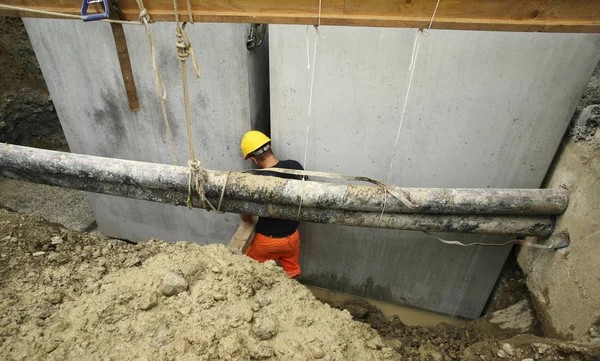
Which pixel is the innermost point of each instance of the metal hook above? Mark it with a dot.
(93, 17)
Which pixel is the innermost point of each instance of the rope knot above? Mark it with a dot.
(144, 16)
(182, 43)
(195, 165)
(198, 178)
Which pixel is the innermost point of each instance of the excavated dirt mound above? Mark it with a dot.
(71, 296)
(66, 295)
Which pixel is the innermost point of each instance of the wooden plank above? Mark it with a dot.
(123, 55)
(497, 15)
(242, 237)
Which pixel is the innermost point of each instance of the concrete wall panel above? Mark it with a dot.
(487, 109)
(80, 65)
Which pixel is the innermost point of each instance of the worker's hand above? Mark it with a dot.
(246, 217)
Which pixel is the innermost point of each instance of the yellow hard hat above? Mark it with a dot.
(252, 141)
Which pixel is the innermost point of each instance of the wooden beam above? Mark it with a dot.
(496, 15)
(242, 237)
(123, 55)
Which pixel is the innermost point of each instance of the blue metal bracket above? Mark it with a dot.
(93, 17)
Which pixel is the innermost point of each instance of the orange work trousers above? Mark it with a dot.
(286, 250)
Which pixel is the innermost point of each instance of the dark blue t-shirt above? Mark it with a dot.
(279, 228)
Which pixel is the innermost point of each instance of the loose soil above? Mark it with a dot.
(66, 295)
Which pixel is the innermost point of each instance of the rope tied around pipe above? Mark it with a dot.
(199, 175)
(196, 172)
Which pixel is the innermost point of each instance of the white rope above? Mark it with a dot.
(303, 176)
(319, 19)
(523, 242)
(64, 15)
(412, 66)
(310, 97)
(433, 16)
(312, 77)
(307, 49)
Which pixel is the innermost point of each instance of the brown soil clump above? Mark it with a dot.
(66, 295)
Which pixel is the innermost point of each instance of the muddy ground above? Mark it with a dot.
(67, 295)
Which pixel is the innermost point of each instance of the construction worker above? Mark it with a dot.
(275, 239)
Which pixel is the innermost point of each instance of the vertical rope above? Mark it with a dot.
(307, 49)
(312, 76)
(189, 8)
(412, 66)
(310, 98)
(319, 19)
(184, 50)
(161, 89)
(303, 176)
(176, 11)
(433, 15)
(187, 107)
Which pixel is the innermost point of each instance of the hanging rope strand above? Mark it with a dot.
(412, 66)
(197, 174)
(161, 89)
(310, 97)
(189, 8)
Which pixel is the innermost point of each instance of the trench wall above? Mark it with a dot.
(565, 285)
(487, 109)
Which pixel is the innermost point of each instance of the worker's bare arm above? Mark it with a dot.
(246, 217)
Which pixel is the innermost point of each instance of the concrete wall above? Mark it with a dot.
(80, 65)
(487, 110)
(565, 285)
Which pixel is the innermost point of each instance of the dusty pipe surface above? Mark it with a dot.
(541, 226)
(160, 182)
(168, 184)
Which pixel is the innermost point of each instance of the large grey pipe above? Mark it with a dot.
(278, 198)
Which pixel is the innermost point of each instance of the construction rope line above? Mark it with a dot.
(312, 81)
(413, 61)
(184, 51)
(161, 89)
